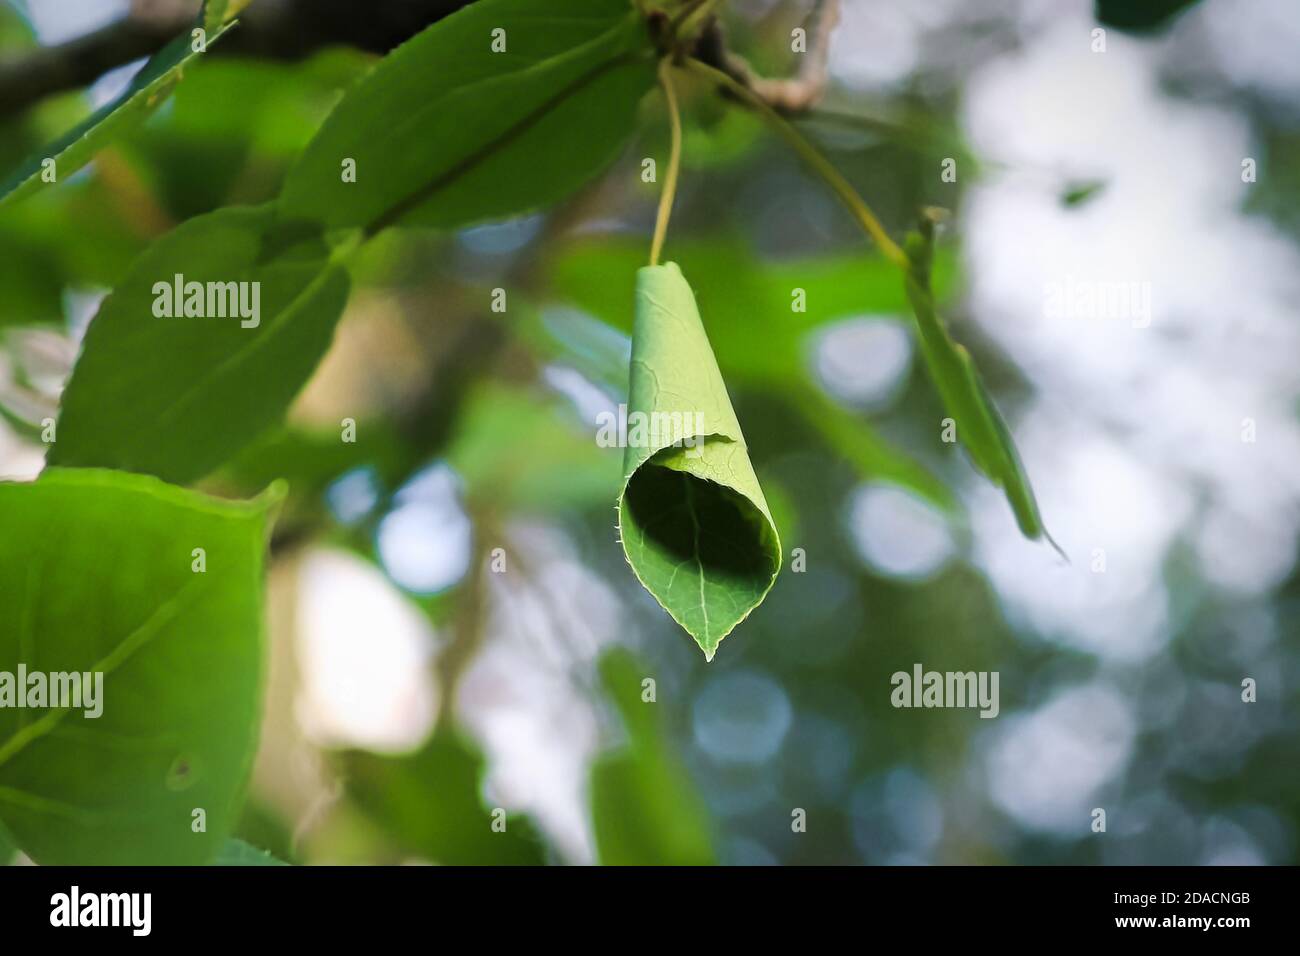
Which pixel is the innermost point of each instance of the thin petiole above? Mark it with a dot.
(690, 14)
(819, 163)
(674, 162)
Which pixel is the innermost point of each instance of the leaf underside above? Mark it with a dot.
(446, 132)
(177, 396)
(97, 575)
(706, 552)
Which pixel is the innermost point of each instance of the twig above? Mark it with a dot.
(832, 176)
(271, 29)
(67, 66)
(788, 96)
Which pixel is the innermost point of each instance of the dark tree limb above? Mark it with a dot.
(45, 71)
(271, 29)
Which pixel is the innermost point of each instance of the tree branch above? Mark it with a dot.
(788, 96)
(68, 66)
(271, 29)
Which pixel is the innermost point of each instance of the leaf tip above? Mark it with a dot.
(271, 502)
(1056, 547)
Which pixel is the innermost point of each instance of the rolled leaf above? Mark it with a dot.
(758, 340)
(692, 517)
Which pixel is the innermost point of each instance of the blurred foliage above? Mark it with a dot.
(429, 805)
(644, 807)
(745, 302)
(750, 227)
(523, 454)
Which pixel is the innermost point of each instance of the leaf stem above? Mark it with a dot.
(819, 163)
(674, 162)
(691, 13)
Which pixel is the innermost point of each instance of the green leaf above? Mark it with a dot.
(692, 517)
(645, 810)
(430, 803)
(238, 853)
(97, 575)
(446, 132)
(175, 397)
(271, 110)
(214, 14)
(979, 424)
(1082, 192)
(79, 145)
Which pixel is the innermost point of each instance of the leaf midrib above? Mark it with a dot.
(417, 198)
(234, 359)
(120, 654)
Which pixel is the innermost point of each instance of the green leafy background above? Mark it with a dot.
(504, 657)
